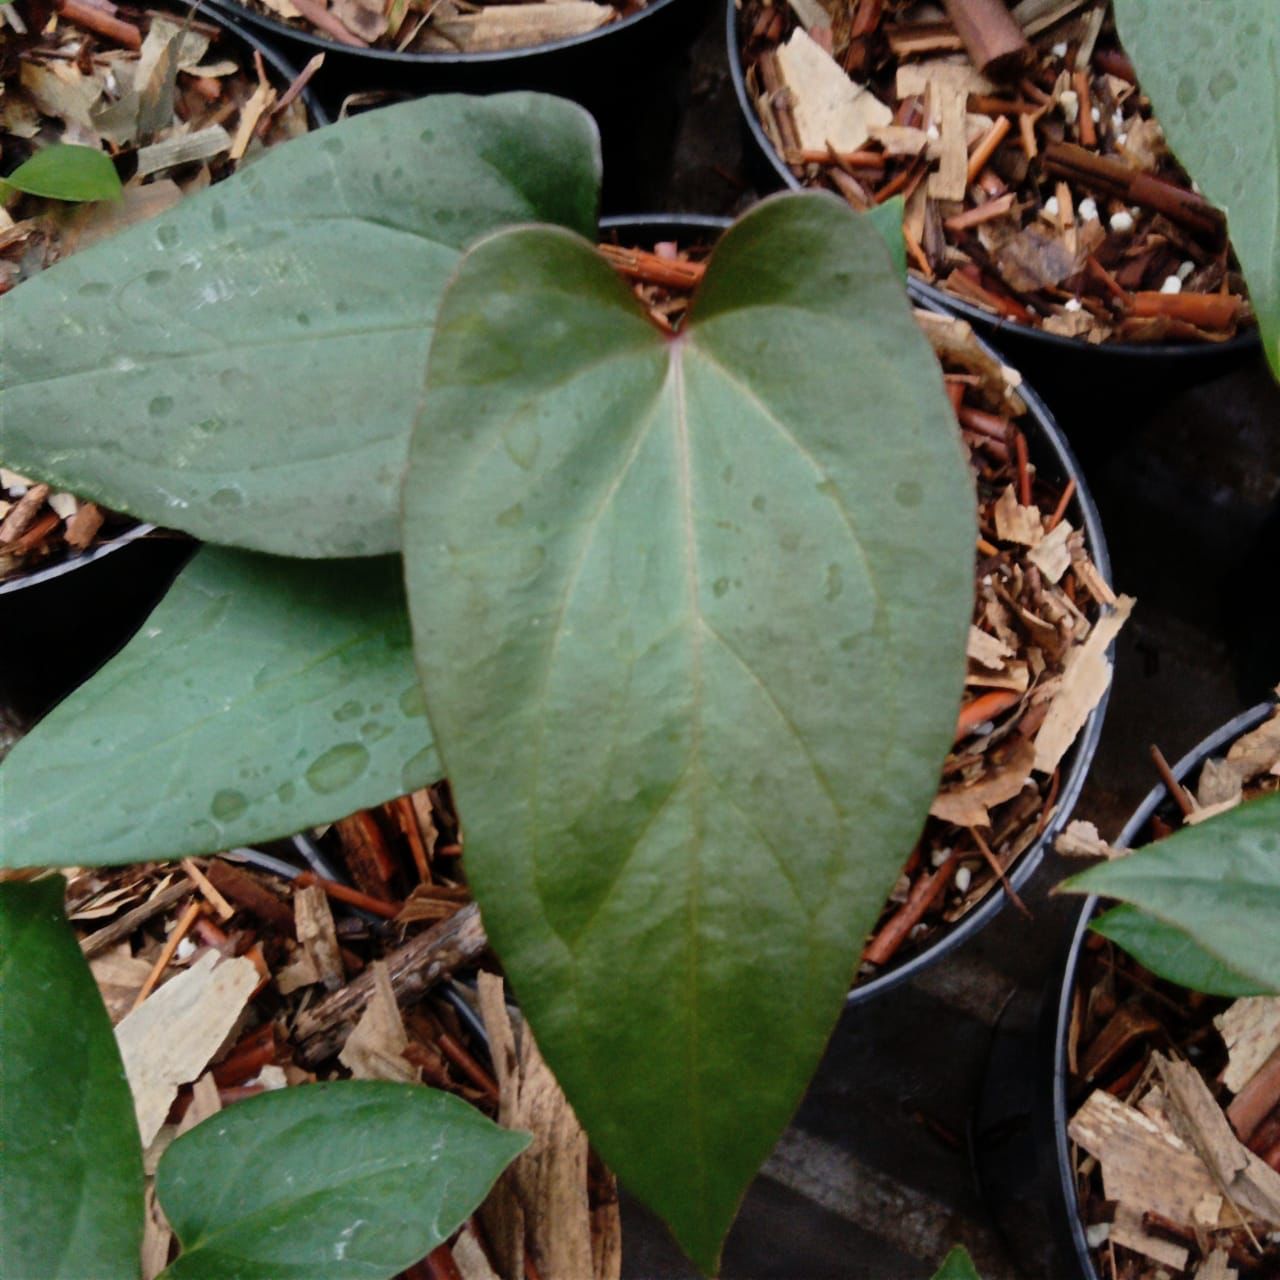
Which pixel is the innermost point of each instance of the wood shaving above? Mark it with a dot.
(828, 108)
(1250, 1029)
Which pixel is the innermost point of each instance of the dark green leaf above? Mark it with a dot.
(1217, 882)
(1168, 951)
(262, 696)
(888, 222)
(691, 617)
(1212, 71)
(67, 172)
(352, 1179)
(72, 1202)
(248, 366)
(957, 1265)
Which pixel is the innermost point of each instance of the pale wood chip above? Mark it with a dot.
(260, 101)
(1127, 1230)
(119, 975)
(1220, 780)
(950, 181)
(205, 1102)
(62, 90)
(1217, 1267)
(1085, 677)
(914, 78)
(811, 13)
(1087, 573)
(1051, 555)
(514, 26)
(549, 1180)
(1144, 1165)
(1016, 523)
(1016, 676)
(168, 1040)
(829, 109)
(1257, 752)
(319, 957)
(1250, 1028)
(899, 139)
(375, 1049)
(987, 650)
(1081, 840)
(968, 806)
(469, 1257)
(1202, 813)
(1246, 1179)
(157, 1236)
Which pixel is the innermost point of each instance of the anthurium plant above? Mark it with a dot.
(682, 617)
(1213, 74)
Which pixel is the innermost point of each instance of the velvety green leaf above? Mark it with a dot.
(72, 1203)
(67, 172)
(1168, 951)
(262, 696)
(957, 1265)
(248, 365)
(352, 1180)
(1212, 71)
(888, 222)
(691, 616)
(1217, 882)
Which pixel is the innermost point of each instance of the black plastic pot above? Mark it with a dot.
(1096, 371)
(591, 68)
(1055, 1114)
(60, 622)
(1053, 458)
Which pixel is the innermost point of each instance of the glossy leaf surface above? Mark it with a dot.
(72, 1203)
(1168, 951)
(350, 1180)
(262, 696)
(690, 616)
(1212, 71)
(247, 366)
(957, 1265)
(1217, 883)
(64, 171)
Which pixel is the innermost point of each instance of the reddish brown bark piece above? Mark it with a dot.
(248, 892)
(994, 41)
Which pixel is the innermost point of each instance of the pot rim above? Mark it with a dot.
(1221, 737)
(403, 58)
(319, 118)
(993, 325)
(1048, 441)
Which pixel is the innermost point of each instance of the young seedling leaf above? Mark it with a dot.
(67, 172)
(1212, 72)
(351, 1180)
(957, 1265)
(1168, 951)
(691, 617)
(72, 1203)
(262, 696)
(247, 366)
(1217, 882)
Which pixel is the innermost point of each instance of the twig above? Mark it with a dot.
(1172, 785)
(180, 931)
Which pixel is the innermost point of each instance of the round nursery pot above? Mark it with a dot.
(63, 617)
(1050, 360)
(1049, 452)
(593, 68)
(1057, 1168)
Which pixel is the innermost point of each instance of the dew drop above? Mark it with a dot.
(348, 711)
(159, 406)
(167, 236)
(720, 586)
(227, 499)
(758, 503)
(333, 146)
(218, 217)
(511, 516)
(908, 493)
(158, 276)
(419, 770)
(337, 768)
(94, 289)
(789, 542)
(227, 806)
(285, 792)
(374, 731)
(835, 581)
(413, 703)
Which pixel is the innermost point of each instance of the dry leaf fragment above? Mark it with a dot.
(513, 26)
(169, 1039)
(375, 1049)
(319, 958)
(968, 806)
(829, 109)
(1084, 680)
(1257, 752)
(204, 144)
(1250, 1029)
(1220, 781)
(987, 650)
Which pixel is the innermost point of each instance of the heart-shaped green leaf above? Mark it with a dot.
(691, 617)
(262, 696)
(353, 1180)
(1212, 71)
(72, 1203)
(1217, 882)
(1169, 952)
(67, 172)
(248, 366)
(958, 1265)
